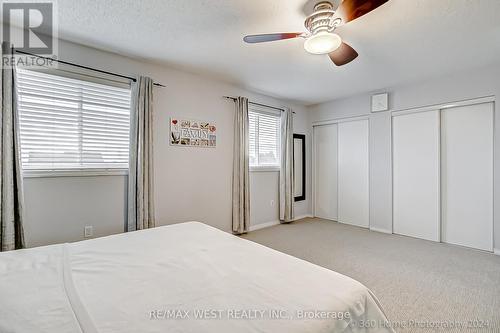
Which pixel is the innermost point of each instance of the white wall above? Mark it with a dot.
(456, 87)
(57, 209)
(191, 184)
(264, 186)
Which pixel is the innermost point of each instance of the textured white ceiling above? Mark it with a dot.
(404, 40)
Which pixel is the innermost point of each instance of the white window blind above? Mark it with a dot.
(72, 124)
(264, 136)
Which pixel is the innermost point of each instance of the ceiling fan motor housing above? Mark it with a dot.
(322, 19)
(320, 37)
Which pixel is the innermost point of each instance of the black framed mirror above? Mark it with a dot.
(299, 166)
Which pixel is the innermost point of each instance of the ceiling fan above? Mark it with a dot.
(321, 24)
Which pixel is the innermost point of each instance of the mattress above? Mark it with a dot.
(187, 277)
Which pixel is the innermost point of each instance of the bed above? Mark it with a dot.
(186, 277)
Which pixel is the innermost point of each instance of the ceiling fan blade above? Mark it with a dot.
(271, 37)
(343, 55)
(350, 10)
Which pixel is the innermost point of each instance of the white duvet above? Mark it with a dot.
(187, 277)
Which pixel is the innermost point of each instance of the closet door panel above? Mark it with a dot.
(467, 176)
(353, 179)
(416, 192)
(325, 171)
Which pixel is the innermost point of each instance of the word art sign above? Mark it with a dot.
(192, 133)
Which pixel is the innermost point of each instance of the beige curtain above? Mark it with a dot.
(11, 181)
(241, 166)
(286, 169)
(141, 212)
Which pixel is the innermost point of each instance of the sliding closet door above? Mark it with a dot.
(416, 195)
(325, 171)
(467, 176)
(353, 201)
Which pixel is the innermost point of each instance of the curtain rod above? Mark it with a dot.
(85, 67)
(258, 104)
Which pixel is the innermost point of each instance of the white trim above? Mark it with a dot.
(494, 102)
(333, 219)
(273, 223)
(264, 168)
(440, 178)
(266, 110)
(496, 251)
(382, 230)
(313, 171)
(76, 73)
(340, 120)
(355, 225)
(304, 216)
(73, 173)
(263, 225)
(369, 162)
(392, 173)
(443, 106)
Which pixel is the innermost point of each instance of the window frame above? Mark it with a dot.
(53, 173)
(75, 172)
(268, 111)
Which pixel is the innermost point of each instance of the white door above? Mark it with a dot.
(353, 200)
(467, 176)
(416, 196)
(325, 171)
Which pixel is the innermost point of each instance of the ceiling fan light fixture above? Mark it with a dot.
(322, 42)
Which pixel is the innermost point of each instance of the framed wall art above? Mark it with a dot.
(192, 133)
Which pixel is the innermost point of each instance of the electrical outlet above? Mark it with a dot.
(272, 203)
(88, 231)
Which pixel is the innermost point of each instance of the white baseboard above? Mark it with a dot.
(385, 231)
(263, 225)
(496, 251)
(300, 217)
(273, 223)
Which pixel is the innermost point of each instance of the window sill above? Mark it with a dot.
(265, 169)
(73, 173)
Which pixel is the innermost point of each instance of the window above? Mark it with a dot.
(72, 124)
(265, 129)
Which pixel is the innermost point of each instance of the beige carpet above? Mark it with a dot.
(415, 280)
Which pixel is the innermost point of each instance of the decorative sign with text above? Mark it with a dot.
(192, 133)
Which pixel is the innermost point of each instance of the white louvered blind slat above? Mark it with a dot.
(71, 124)
(264, 137)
